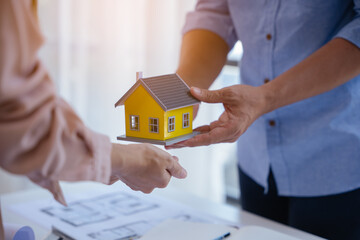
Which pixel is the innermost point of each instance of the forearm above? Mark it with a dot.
(40, 135)
(329, 67)
(203, 55)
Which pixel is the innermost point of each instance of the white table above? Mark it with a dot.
(224, 211)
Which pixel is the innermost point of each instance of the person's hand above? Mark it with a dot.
(243, 105)
(144, 167)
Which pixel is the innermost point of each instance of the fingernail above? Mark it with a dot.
(183, 173)
(196, 90)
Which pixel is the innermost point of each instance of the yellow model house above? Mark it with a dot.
(158, 110)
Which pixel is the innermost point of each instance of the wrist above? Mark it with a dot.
(267, 99)
(117, 158)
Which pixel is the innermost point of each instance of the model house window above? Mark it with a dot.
(186, 121)
(134, 122)
(171, 124)
(154, 125)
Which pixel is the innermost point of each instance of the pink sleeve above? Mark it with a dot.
(40, 135)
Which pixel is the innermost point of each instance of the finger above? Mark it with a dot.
(216, 135)
(202, 129)
(176, 170)
(206, 95)
(147, 190)
(173, 165)
(175, 146)
(216, 124)
(182, 144)
(200, 140)
(164, 181)
(224, 117)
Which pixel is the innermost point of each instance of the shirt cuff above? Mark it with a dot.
(102, 158)
(351, 32)
(98, 170)
(217, 23)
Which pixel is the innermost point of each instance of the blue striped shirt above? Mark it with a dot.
(312, 146)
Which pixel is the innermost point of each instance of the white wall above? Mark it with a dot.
(94, 48)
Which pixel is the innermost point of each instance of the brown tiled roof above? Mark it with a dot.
(169, 91)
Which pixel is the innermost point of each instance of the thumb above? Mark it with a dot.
(206, 95)
(176, 170)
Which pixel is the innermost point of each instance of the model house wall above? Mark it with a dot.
(178, 114)
(140, 103)
(146, 119)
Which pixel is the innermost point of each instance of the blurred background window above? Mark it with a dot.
(94, 48)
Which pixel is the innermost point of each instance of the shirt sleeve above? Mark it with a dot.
(214, 16)
(40, 135)
(351, 31)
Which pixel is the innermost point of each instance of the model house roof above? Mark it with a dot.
(169, 91)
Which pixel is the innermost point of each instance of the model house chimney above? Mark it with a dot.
(139, 75)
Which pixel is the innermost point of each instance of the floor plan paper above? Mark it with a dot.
(109, 214)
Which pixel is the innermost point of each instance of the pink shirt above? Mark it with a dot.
(40, 134)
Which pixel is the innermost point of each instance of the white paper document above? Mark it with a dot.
(180, 230)
(259, 233)
(109, 214)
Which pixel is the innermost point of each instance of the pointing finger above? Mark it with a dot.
(176, 170)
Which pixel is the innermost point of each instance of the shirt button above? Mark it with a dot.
(266, 80)
(268, 36)
(272, 123)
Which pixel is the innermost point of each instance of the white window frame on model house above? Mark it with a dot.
(186, 120)
(171, 124)
(134, 122)
(154, 125)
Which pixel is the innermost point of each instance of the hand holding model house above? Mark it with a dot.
(243, 105)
